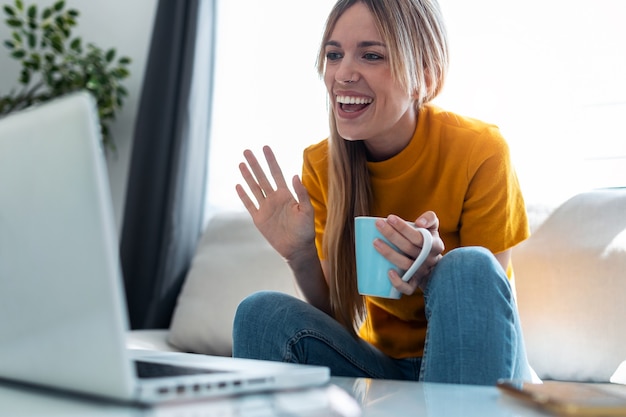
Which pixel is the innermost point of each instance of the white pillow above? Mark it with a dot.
(232, 261)
(571, 287)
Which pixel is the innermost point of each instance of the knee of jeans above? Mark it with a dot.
(254, 315)
(466, 268)
(256, 303)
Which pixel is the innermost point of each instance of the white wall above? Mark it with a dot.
(122, 24)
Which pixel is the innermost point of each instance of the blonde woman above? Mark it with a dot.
(394, 155)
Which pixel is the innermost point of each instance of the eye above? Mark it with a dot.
(333, 56)
(370, 56)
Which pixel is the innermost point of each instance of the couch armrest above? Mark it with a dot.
(570, 281)
(619, 376)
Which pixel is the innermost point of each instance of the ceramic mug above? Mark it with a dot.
(372, 267)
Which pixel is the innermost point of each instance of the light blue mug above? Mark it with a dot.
(372, 267)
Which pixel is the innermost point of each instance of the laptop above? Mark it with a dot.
(63, 318)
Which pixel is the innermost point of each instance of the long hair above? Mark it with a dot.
(415, 36)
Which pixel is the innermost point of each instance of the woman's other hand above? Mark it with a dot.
(409, 242)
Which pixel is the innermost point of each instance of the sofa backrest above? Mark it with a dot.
(231, 261)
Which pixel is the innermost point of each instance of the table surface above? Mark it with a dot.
(347, 397)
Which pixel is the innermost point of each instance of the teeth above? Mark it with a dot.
(353, 100)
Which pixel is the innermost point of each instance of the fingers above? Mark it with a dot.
(301, 192)
(401, 259)
(275, 170)
(406, 288)
(428, 220)
(418, 280)
(251, 182)
(245, 199)
(409, 242)
(258, 182)
(256, 179)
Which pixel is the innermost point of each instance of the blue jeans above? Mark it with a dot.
(473, 336)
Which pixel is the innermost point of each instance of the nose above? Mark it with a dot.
(346, 73)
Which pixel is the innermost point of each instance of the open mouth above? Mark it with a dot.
(351, 104)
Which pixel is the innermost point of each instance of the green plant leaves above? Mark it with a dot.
(32, 12)
(54, 63)
(14, 23)
(8, 10)
(76, 45)
(18, 54)
(110, 55)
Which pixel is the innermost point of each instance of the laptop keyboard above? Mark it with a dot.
(161, 370)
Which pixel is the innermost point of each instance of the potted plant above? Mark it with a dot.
(54, 63)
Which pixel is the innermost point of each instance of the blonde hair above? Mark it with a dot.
(415, 36)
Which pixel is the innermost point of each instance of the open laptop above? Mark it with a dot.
(63, 318)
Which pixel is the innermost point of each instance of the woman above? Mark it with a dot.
(391, 154)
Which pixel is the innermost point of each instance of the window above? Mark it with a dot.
(266, 88)
(550, 73)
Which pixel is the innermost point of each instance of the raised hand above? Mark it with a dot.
(285, 221)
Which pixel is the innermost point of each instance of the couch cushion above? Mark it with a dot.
(571, 288)
(232, 260)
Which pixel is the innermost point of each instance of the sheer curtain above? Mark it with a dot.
(163, 215)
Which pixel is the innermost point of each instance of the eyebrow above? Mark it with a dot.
(362, 44)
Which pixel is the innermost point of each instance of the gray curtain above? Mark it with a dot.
(163, 214)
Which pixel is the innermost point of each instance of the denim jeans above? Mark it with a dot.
(473, 336)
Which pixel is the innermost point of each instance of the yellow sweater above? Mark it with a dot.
(457, 167)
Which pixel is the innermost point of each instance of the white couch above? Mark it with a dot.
(570, 282)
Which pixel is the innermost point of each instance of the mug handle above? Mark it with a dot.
(426, 246)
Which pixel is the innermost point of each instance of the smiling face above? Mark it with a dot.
(368, 104)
